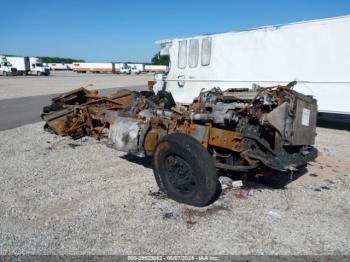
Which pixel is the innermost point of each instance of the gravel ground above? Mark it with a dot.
(59, 82)
(60, 196)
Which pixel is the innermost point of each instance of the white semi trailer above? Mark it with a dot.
(156, 68)
(93, 67)
(60, 66)
(28, 65)
(21, 63)
(315, 53)
(114, 68)
(123, 68)
(137, 68)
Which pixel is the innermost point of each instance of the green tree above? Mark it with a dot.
(47, 59)
(158, 59)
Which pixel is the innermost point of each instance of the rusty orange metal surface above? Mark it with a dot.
(151, 140)
(90, 107)
(224, 138)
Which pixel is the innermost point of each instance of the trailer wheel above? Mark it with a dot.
(185, 171)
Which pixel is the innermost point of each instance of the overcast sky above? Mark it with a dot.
(127, 30)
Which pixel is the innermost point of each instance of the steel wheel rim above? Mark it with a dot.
(179, 174)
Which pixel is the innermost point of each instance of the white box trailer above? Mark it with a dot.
(156, 68)
(92, 67)
(95, 67)
(315, 53)
(136, 68)
(28, 65)
(59, 66)
(21, 63)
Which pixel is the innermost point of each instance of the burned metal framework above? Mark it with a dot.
(271, 128)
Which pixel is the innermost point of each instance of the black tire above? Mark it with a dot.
(185, 171)
(38, 73)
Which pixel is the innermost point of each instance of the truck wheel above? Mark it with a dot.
(185, 171)
(38, 73)
(4, 73)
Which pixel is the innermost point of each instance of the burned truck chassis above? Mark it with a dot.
(236, 130)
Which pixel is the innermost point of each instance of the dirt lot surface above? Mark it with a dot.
(59, 82)
(60, 196)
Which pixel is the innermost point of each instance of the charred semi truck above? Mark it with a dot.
(234, 130)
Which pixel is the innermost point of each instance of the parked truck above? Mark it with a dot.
(6, 68)
(124, 68)
(28, 65)
(136, 68)
(37, 67)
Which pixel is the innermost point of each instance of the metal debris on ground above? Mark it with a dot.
(237, 184)
(274, 215)
(319, 189)
(225, 182)
(241, 193)
(73, 145)
(169, 215)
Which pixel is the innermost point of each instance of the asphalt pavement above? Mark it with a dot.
(25, 110)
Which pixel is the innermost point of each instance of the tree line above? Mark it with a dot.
(157, 59)
(49, 59)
